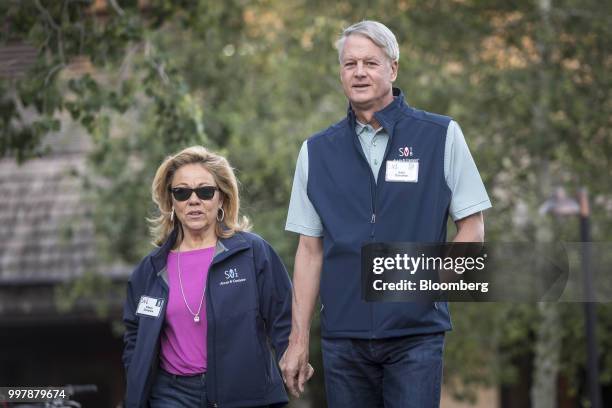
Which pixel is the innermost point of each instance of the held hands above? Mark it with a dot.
(295, 368)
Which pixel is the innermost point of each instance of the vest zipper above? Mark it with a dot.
(373, 222)
(374, 182)
(372, 232)
(373, 194)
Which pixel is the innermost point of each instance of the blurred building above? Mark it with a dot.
(60, 301)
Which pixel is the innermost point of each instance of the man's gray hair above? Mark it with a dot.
(375, 31)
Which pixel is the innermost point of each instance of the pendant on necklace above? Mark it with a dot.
(196, 318)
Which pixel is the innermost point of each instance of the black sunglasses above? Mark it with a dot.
(203, 193)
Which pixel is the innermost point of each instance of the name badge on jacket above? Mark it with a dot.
(406, 171)
(149, 306)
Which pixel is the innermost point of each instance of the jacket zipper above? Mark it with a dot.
(210, 318)
(211, 313)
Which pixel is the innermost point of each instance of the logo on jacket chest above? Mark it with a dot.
(232, 276)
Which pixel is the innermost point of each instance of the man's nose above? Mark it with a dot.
(359, 71)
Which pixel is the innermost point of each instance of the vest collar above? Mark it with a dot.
(387, 117)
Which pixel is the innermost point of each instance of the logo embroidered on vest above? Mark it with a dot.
(405, 151)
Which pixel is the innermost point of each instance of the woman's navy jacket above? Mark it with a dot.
(248, 317)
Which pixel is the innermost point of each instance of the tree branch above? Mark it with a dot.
(53, 24)
(53, 71)
(47, 15)
(116, 7)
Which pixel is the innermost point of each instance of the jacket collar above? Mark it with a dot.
(224, 248)
(387, 117)
(160, 255)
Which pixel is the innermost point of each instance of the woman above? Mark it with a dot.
(208, 312)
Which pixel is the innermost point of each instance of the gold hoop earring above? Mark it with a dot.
(222, 214)
(172, 215)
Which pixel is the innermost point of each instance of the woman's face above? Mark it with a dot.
(198, 216)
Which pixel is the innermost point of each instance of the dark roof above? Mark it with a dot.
(16, 59)
(46, 227)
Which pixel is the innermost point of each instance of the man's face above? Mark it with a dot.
(367, 74)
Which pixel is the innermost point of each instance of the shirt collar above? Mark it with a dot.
(360, 128)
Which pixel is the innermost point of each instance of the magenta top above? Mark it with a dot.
(183, 341)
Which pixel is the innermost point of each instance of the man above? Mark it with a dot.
(346, 193)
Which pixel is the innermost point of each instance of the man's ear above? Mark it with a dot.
(394, 67)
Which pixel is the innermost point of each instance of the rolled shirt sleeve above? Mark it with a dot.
(469, 195)
(302, 217)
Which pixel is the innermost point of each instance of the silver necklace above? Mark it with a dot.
(196, 315)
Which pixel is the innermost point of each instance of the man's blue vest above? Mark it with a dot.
(356, 210)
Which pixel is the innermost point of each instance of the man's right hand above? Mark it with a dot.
(295, 368)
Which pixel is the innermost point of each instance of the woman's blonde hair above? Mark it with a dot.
(224, 177)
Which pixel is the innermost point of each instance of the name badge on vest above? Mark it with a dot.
(149, 306)
(406, 171)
